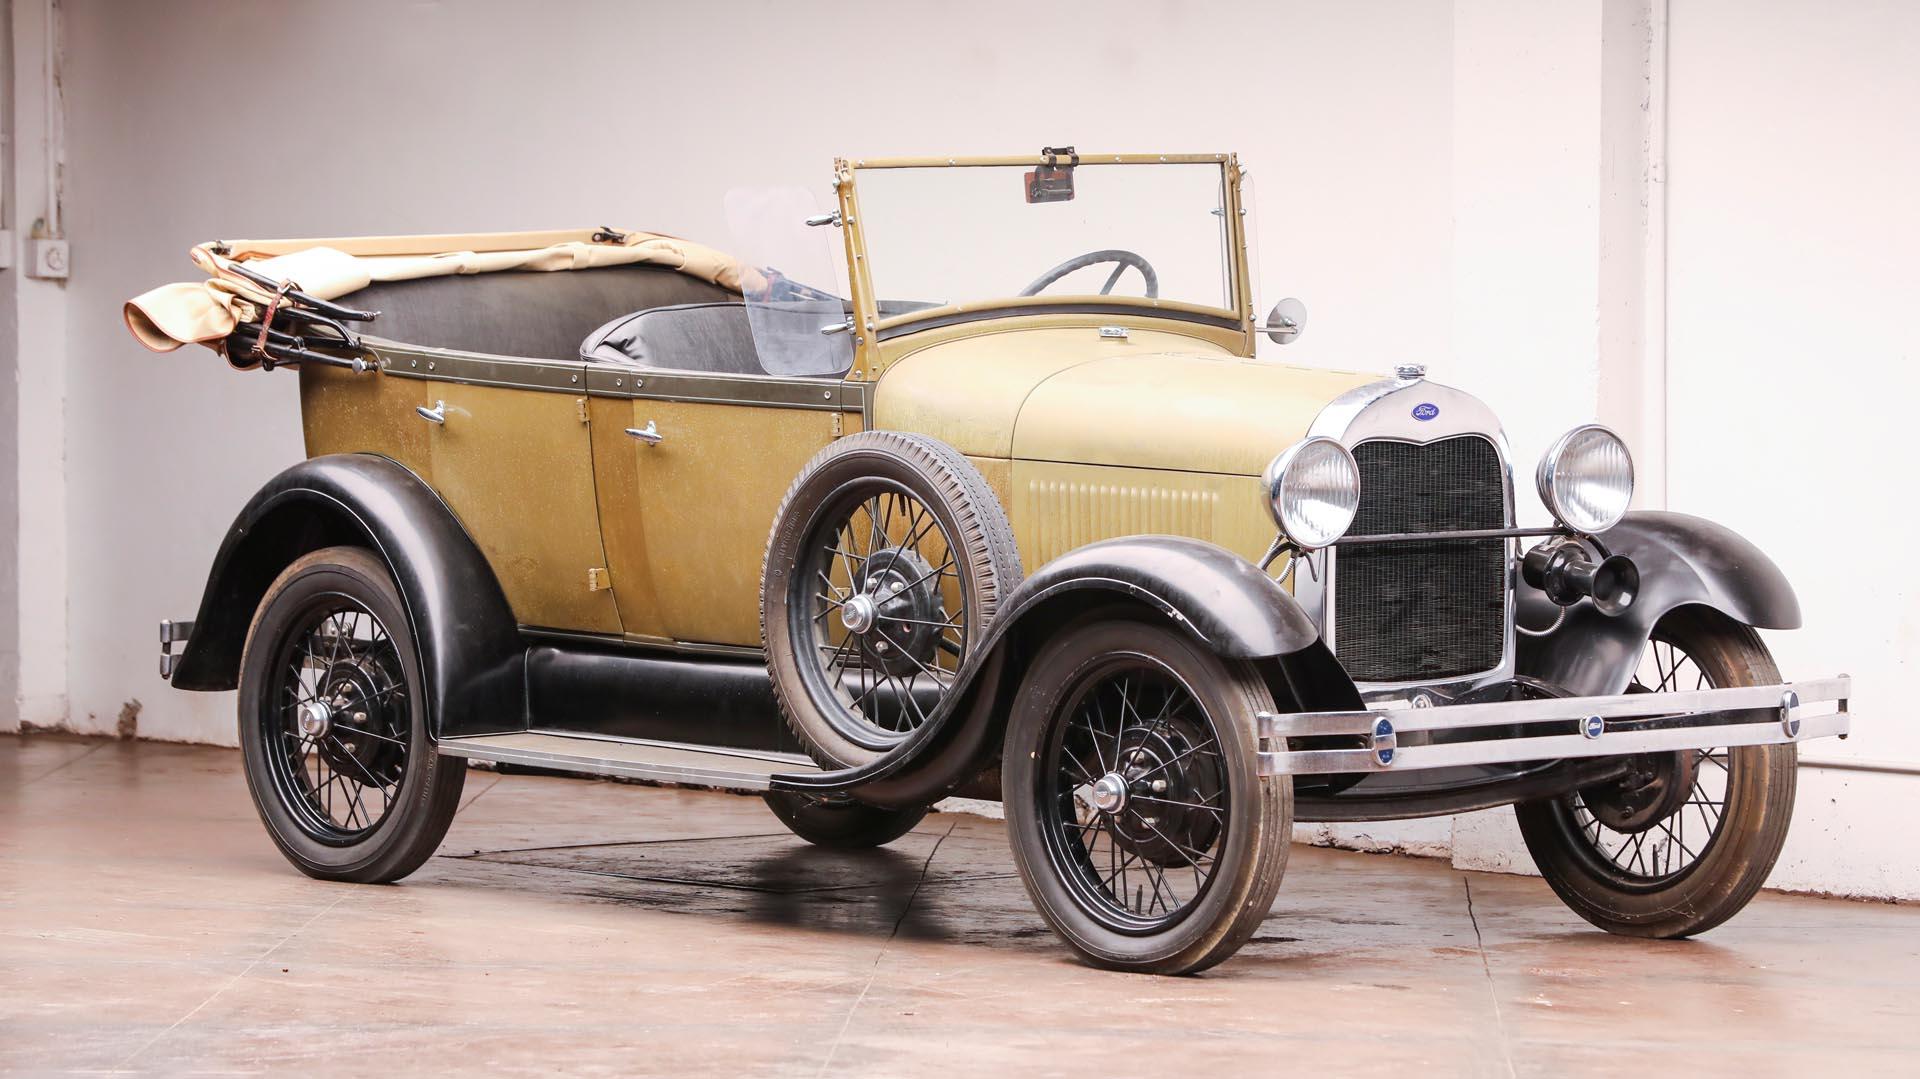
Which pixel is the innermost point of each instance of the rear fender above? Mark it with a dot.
(470, 648)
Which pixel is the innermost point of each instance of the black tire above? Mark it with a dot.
(1205, 723)
(360, 795)
(846, 825)
(875, 511)
(1657, 878)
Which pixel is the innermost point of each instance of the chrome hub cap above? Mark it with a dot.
(1110, 793)
(859, 613)
(315, 719)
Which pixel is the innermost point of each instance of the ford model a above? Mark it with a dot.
(860, 536)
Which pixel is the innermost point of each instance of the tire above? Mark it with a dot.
(356, 791)
(1661, 879)
(845, 825)
(1072, 701)
(888, 559)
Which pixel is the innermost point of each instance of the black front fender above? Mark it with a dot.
(1224, 601)
(470, 647)
(1683, 561)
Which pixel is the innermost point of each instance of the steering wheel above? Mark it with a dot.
(1120, 259)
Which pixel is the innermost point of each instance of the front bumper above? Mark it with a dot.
(1552, 728)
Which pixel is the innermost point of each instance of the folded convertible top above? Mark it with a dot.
(207, 312)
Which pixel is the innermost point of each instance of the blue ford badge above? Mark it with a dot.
(1425, 411)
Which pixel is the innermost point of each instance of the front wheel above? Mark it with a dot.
(333, 724)
(1139, 822)
(1683, 840)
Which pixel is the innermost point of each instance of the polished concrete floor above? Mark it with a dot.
(147, 925)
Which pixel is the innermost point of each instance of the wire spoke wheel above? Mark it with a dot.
(337, 726)
(1678, 842)
(1136, 797)
(1635, 841)
(1140, 824)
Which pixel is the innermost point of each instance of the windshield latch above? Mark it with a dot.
(1054, 153)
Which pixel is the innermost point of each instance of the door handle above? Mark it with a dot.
(649, 434)
(436, 414)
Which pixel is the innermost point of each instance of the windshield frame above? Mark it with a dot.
(874, 329)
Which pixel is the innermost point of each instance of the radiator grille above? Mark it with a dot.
(1418, 611)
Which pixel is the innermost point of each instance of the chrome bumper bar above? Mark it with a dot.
(1411, 738)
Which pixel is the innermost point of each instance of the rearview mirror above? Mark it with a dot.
(1286, 321)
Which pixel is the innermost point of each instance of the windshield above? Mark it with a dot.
(940, 235)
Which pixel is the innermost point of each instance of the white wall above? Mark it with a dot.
(1794, 268)
(1446, 183)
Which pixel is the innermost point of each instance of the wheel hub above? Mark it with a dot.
(316, 719)
(1655, 787)
(1165, 801)
(353, 706)
(895, 611)
(859, 613)
(1110, 793)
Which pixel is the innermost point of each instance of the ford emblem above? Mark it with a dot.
(1425, 411)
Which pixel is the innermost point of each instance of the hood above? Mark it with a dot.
(1153, 400)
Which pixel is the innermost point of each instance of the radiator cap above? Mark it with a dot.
(1410, 372)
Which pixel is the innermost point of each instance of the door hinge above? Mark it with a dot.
(580, 403)
(839, 428)
(597, 580)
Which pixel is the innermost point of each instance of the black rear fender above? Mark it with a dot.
(470, 648)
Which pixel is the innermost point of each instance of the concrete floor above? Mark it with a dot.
(147, 924)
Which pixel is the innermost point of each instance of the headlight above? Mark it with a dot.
(1313, 490)
(1586, 479)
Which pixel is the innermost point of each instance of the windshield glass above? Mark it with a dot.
(953, 235)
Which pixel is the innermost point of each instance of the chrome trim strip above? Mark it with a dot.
(769, 391)
(615, 380)
(1690, 709)
(476, 368)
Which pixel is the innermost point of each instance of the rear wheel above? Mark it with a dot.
(1139, 823)
(1684, 840)
(333, 728)
(844, 823)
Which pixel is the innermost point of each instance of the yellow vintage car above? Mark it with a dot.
(838, 511)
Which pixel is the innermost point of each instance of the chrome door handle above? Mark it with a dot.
(649, 434)
(436, 414)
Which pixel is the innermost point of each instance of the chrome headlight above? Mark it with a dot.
(1586, 479)
(1313, 490)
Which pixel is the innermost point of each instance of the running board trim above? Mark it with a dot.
(631, 758)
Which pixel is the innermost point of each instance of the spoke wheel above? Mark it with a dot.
(888, 560)
(881, 612)
(1683, 840)
(1139, 824)
(341, 726)
(332, 723)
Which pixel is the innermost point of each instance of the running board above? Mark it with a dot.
(632, 758)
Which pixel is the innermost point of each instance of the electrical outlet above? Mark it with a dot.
(47, 259)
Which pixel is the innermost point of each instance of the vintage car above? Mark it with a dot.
(850, 518)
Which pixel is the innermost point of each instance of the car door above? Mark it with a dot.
(686, 504)
(510, 451)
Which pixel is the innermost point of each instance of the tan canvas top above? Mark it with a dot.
(205, 312)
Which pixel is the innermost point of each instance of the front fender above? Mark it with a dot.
(1225, 602)
(470, 647)
(1683, 560)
